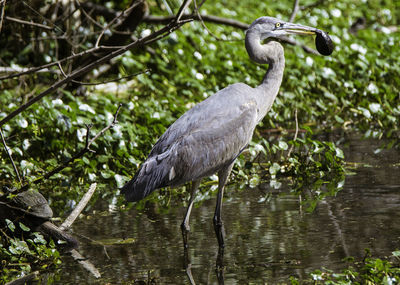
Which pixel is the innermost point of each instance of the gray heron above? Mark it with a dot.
(209, 137)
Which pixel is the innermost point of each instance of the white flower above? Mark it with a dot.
(57, 102)
(374, 107)
(197, 55)
(309, 61)
(336, 13)
(358, 48)
(81, 134)
(87, 108)
(212, 46)
(372, 88)
(145, 33)
(199, 76)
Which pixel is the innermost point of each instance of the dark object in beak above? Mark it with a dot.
(323, 43)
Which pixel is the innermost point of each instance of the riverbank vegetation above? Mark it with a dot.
(356, 89)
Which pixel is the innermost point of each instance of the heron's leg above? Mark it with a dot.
(185, 227)
(218, 225)
(219, 266)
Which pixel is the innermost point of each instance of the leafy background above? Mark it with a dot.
(357, 88)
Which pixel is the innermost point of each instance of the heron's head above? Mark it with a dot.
(269, 27)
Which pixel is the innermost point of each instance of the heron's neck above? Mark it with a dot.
(273, 55)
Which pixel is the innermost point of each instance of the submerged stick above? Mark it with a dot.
(85, 263)
(78, 209)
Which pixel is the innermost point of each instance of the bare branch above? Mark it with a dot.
(79, 208)
(182, 9)
(2, 7)
(296, 133)
(206, 18)
(85, 263)
(106, 128)
(41, 16)
(10, 156)
(294, 11)
(197, 12)
(112, 80)
(123, 14)
(28, 23)
(45, 66)
(22, 71)
(161, 33)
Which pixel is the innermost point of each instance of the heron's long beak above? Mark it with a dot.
(298, 29)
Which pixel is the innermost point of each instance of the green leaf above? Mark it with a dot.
(23, 227)
(10, 225)
(283, 145)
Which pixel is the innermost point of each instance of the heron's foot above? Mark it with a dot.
(219, 232)
(219, 266)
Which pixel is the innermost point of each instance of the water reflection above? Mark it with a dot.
(267, 240)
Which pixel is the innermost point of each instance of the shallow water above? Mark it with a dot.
(267, 240)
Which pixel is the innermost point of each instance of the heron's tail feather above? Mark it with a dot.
(153, 174)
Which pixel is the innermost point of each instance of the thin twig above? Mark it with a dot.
(124, 13)
(111, 80)
(7, 69)
(10, 156)
(3, 6)
(296, 133)
(182, 9)
(197, 12)
(36, 69)
(206, 18)
(79, 208)
(85, 263)
(41, 16)
(161, 33)
(28, 23)
(294, 11)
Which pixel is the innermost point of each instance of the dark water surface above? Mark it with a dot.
(267, 240)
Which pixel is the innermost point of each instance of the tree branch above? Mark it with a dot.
(3, 6)
(25, 71)
(294, 11)
(28, 23)
(161, 33)
(296, 133)
(206, 18)
(182, 9)
(10, 156)
(79, 208)
(112, 80)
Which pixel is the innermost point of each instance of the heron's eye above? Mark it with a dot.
(277, 25)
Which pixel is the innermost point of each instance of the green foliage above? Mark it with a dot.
(356, 88)
(19, 257)
(368, 271)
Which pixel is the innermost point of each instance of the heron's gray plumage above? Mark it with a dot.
(218, 133)
(209, 137)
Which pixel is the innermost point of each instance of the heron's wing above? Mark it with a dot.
(216, 111)
(206, 138)
(207, 149)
